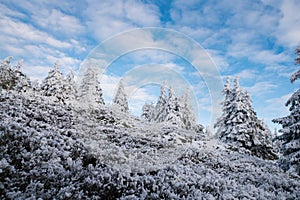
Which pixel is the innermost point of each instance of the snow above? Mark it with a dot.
(113, 154)
(53, 150)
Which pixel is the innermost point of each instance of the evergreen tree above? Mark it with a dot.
(69, 86)
(297, 59)
(23, 83)
(239, 126)
(148, 112)
(53, 84)
(291, 129)
(12, 78)
(173, 114)
(161, 105)
(121, 98)
(90, 91)
(226, 108)
(187, 116)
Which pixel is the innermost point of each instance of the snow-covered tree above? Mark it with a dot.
(297, 59)
(161, 105)
(53, 84)
(148, 112)
(239, 126)
(121, 98)
(173, 113)
(89, 90)
(69, 89)
(186, 113)
(23, 83)
(291, 130)
(12, 78)
(226, 108)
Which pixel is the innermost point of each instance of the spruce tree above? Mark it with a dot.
(53, 84)
(121, 98)
(69, 88)
(291, 128)
(239, 126)
(226, 108)
(12, 78)
(186, 113)
(89, 91)
(23, 83)
(173, 114)
(161, 105)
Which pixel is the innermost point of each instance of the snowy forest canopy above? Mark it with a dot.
(60, 140)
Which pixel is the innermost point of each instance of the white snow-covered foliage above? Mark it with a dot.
(172, 110)
(53, 151)
(12, 77)
(50, 150)
(89, 91)
(121, 98)
(239, 126)
(148, 112)
(161, 105)
(187, 115)
(173, 113)
(53, 84)
(69, 87)
(297, 59)
(290, 137)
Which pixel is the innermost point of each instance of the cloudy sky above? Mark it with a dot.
(254, 39)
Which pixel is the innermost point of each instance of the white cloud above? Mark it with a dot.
(58, 23)
(247, 74)
(288, 30)
(36, 72)
(261, 88)
(5, 11)
(274, 108)
(256, 54)
(25, 32)
(107, 18)
(109, 85)
(277, 105)
(282, 71)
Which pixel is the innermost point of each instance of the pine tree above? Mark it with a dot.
(89, 90)
(239, 126)
(148, 112)
(121, 98)
(291, 128)
(53, 84)
(161, 105)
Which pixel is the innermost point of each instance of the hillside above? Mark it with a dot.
(65, 151)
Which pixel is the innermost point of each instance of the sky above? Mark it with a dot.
(252, 39)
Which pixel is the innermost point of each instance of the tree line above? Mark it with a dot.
(238, 126)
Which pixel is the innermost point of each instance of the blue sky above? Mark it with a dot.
(254, 39)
